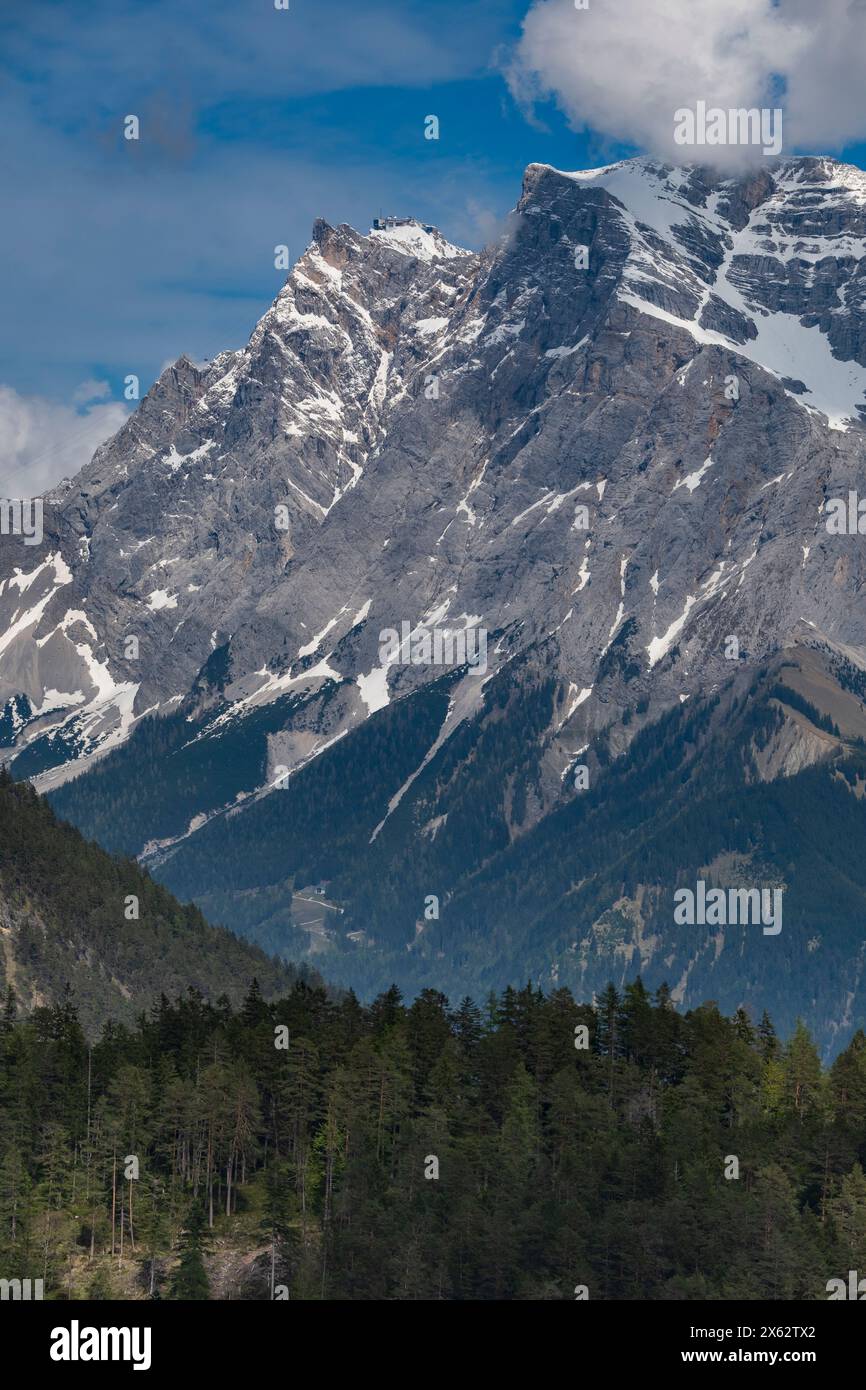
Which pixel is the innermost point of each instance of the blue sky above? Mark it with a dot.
(117, 256)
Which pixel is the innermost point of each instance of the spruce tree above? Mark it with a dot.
(190, 1282)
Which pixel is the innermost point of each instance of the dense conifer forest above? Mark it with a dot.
(75, 918)
(312, 1148)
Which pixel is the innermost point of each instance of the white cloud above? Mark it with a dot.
(43, 441)
(481, 223)
(623, 67)
(825, 106)
(91, 390)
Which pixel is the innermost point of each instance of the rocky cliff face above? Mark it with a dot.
(196, 507)
(606, 446)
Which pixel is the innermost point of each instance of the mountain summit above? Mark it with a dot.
(610, 445)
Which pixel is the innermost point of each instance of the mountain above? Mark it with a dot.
(172, 534)
(611, 457)
(79, 926)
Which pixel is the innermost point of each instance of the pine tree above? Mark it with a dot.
(767, 1040)
(608, 1036)
(743, 1025)
(10, 1010)
(848, 1210)
(468, 1024)
(803, 1079)
(100, 1285)
(276, 1222)
(190, 1282)
(637, 1022)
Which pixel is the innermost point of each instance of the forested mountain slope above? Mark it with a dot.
(760, 783)
(81, 928)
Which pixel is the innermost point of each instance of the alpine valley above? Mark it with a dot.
(611, 442)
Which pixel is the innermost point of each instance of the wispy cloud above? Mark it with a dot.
(116, 255)
(123, 49)
(90, 391)
(43, 441)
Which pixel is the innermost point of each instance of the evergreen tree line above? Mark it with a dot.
(313, 1148)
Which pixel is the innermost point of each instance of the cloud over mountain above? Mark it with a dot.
(43, 441)
(624, 68)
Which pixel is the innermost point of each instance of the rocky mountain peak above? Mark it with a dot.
(542, 440)
(604, 453)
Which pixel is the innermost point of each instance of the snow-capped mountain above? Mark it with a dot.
(192, 511)
(607, 445)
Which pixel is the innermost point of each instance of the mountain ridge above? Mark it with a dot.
(608, 444)
(79, 926)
